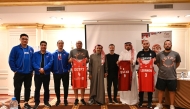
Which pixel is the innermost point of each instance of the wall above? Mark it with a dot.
(10, 37)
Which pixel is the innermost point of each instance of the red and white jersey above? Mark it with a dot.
(124, 76)
(79, 71)
(146, 75)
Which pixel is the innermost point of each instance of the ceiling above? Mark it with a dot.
(76, 14)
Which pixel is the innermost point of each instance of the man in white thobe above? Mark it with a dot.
(129, 97)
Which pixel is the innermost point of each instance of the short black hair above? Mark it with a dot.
(23, 35)
(60, 41)
(111, 45)
(43, 42)
(168, 40)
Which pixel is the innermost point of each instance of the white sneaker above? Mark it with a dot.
(123, 103)
(172, 107)
(159, 106)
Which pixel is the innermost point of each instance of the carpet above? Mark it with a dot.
(56, 107)
(6, 99)
(118, 107)
(89, 107)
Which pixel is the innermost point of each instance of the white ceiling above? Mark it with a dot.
(76, 14)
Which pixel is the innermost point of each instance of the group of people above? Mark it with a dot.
(23, 61)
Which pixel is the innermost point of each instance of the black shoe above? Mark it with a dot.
(140, 105)
(65, 102)
(83, 102)
(110, 101)
(47, 104)
(115, 101)
(19, 106)
(76, 101)
(149, 105)
(36, 106)
(27, 106)
(57, 103)
(99, 103)
(91, 101)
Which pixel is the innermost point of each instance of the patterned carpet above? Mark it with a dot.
(6, 99)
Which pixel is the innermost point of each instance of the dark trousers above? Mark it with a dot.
(65, 80)
(110, 80)
(39, 80)
(141, 96)
(19, 78)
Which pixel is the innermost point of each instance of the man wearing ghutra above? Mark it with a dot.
(129, 97)
(97, 71)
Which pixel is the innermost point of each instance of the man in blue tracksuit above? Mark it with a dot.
(42, 62)
(20, 62)
(61, 68)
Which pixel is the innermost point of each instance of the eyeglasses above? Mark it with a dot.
(24, 38)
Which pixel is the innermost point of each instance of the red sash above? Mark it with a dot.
(79, 74)
(146, 75)
(124, 75)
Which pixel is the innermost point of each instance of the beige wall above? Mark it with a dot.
(10, 37)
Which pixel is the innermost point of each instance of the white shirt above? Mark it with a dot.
(126, 55)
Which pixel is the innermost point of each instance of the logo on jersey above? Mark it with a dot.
(168, 61)
(79, 54)
(26, 52)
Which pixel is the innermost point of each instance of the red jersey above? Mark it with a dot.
(124, 75)
(146, 75)
(79, 74)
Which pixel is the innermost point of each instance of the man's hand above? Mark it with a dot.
(90, 76)
(71, 60)
(117, 62)
(41, 70)
(87, 60)
(131, 62)
(138, 60)
(105, 75)
(154, 59)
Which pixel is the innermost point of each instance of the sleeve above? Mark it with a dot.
(34, 64)
(70, 55)
(49, 65)
(87, 56)
(157, 58)
(120, 56)
(154, 54)
(12, 60)
(106, 65)
(68, 64)
(178, 58)
(137, 58)
(52, 67)
(32, 57)
(90, 65)
(32, 50)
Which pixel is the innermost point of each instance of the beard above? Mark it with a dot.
(146, 48)
(168, 48)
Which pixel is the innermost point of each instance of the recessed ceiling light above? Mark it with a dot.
(187, 15)
(53, 18)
